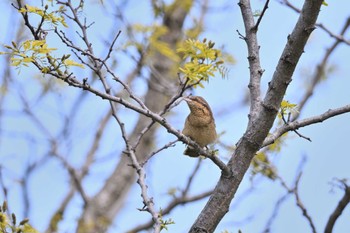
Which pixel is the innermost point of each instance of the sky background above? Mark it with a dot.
(327, 156)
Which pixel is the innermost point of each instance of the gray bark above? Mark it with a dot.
(262, 113)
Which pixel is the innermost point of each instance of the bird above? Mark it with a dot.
(199, 124)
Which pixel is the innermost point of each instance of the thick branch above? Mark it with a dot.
(260, 121)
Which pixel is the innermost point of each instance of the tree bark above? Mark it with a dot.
(261, 117)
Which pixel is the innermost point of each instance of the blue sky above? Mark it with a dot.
(327, 156)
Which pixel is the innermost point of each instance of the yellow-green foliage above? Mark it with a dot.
(27, 52)
(202, 61)
(287, 108)
(38, 53)
(152, 34)
(165, 223)
(54, 17)
(261, 163)
(8, 224)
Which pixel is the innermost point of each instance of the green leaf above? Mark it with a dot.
(203, 60)
(69, 62)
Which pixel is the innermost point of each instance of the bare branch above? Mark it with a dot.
(191, 177)
(174, 203)
(253, 55)
(274, 214)
(2, 183)
(111, 47)
(302, 123)
(293, 191)
(166, 146)
(256, 27)
(339, 38)
(262, 115)
(301, 205)
(147, 201)
(177, 200)
(286, 122)
(344, 201)
(320, 70)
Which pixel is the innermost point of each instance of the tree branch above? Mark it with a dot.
(256, 27)
(338, 209)
(339, 38)
(301, 205)
(320, 71)
(302, 123)
(181, 199)
(253, 54)
(263, 114)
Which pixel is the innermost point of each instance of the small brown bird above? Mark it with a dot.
(199, 125)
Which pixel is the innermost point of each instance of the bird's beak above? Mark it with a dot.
(186, 98)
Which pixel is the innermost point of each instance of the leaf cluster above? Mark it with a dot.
(261, 163)
(165, 223)
(8, 224)
(55, 17)
(287, 109)
(203, 61)
(38, 53)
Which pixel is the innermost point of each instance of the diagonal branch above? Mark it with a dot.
(320, 70)
(339, 38)
(256, 27)
(339, 209)
(301, 205)
(262, 115)
(181, 199)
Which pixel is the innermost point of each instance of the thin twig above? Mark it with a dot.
(256, 27)
(305, 122)
(338, 37)
(166, 146)
(320, 71)
(301, 205)
(286, 122)
(147, 201)
(294, 191)
(112, 45)
(274, 214)
(191, 177)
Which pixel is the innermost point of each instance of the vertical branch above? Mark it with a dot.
(253, 55)
(147, 201)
